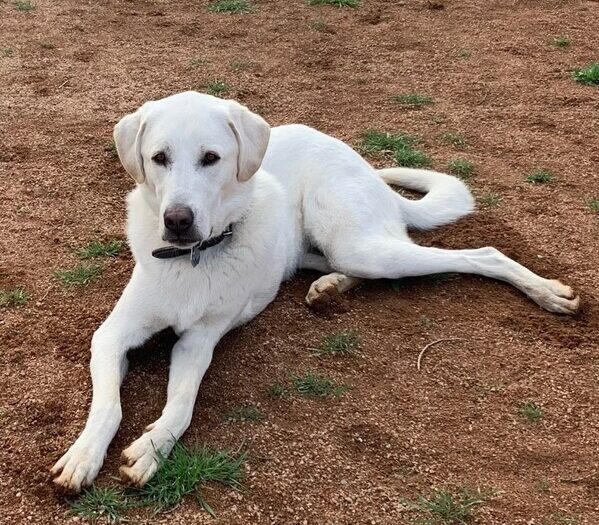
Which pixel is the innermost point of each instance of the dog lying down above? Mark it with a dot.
(224, 210)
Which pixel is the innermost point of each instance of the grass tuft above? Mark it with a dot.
(539, 177)
(314, 385)
(185, 469)
(399, 144)
(455, 139)
(277, 391)
(343, 344)
(244, 413)
(317, 25)
(450, 508)
(216, 87)
(561, 41)
(461, 168)
(464, 53)
(15, 297)
(240, 64)
(231, 6)
(196, 62)
(96, 249)
(336, 3)
(23, 5)
(6, 52)
(490, 199)
(588, 75)
(530, 411)
(78, 276)
(96, 503)
(412, 100)
(594, 205)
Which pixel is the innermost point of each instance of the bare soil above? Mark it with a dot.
(70, 69)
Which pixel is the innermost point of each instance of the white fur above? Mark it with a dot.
(312, 190)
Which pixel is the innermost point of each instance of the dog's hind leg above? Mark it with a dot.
(381, 256)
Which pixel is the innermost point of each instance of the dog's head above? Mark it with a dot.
(193, 154)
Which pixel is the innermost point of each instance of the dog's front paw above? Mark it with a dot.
(142, 457)
(77, 468)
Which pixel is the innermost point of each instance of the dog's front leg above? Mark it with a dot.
(128, 325)
(190, 359)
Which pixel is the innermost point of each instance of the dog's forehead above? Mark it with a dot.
(189, 115)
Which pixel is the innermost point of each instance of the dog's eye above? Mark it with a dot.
(210, 158)
(160, 158)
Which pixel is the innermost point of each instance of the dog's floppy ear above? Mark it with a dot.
(252, 133)
(127, 135)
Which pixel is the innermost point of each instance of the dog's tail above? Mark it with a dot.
(447, 198)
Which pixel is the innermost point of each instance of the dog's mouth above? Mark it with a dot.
(181, 242)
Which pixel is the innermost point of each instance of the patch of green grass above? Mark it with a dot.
(409, 157)
(399, 144)
(314, 385)
(455, 139)
(375, 141)
(336, 3)
(594, 205)
(539, 177)
(185, 469)
(14, 297)
(277, 390)
(450, 508)
(588, 75)
(240, 64)
(244, 413)
(6, 52)
(542, 486)
(561, 41)
(490, 199)
(78, 276)
(530, 411)
(216, 87)
(461, 168)
(110, 148)
(412, 100)
(182, 473)
(317, 25)
(438, 119)
(231, 6)
(100, 503)
(23, 5)
(96, 249)
(343, 344)
(427, 322)
(464, 53)
(196, 62)
(560, 518)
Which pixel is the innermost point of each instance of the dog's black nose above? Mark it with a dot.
(178, 219)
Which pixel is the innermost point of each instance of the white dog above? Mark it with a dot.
(223, 212)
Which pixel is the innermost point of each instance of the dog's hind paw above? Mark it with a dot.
(556, 297)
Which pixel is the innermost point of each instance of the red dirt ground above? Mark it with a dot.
(70, 69)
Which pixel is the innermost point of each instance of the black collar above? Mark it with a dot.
(168, 252)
